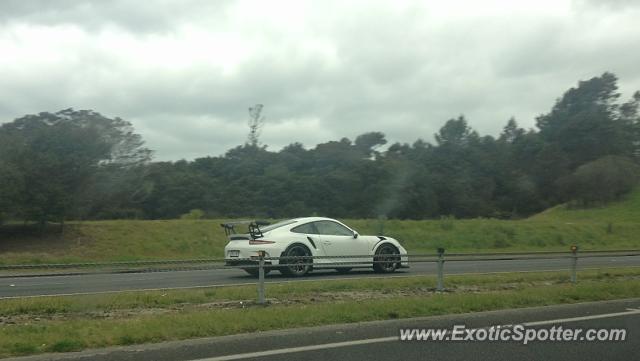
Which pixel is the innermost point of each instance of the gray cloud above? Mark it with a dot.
(185, 72)
(137, 16)
(605, 4)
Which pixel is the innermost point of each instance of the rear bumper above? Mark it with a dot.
(246, 254)
(243, 262)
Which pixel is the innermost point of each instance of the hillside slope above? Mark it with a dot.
(616, 226)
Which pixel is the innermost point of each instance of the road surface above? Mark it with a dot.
(96, 283)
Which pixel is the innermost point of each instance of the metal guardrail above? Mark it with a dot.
(218, 262)
(439, 258)
(264, 263)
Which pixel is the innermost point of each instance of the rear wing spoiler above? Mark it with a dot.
(254, 227)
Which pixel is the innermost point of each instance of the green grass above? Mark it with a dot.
(182, 239)
(170, 299)
(613, 227)
(61, 324)
(120, 240)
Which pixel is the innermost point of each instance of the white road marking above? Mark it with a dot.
(582, 318)
(43, 284)
(300, 349)
(394, 338)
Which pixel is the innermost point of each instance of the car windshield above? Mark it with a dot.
(271, 227)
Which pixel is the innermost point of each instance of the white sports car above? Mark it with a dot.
(311, 237)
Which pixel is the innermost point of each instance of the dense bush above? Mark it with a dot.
(600, 181)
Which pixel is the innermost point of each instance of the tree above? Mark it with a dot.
(177, 188)
(511, 132)
(367, 143)
(11, 179)
(79, 164)
(455, 132)
(61, 156)
(586, 123)
(630, 115)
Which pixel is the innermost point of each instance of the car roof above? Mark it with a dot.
(312, 219)
(288, 224)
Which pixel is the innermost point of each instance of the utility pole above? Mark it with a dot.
(256, 121)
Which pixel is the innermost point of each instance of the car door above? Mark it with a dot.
(338, 240)
(309, 231)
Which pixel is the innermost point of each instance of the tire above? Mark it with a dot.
(387, 259)
(254, 271)
(298, 267)
(343, 270)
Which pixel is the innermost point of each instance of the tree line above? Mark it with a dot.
(82, 165)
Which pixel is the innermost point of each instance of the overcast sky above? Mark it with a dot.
(185, 72)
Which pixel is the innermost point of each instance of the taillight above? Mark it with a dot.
(260, 241)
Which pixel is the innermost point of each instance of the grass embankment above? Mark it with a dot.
(59, 324)
(613, 227)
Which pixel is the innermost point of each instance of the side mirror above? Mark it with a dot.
(355, 234)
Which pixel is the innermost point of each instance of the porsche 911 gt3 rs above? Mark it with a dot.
(293, 242)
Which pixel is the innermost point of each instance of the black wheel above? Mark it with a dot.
(254, 271)
(343, 270)
(386, 259)
(297, 266)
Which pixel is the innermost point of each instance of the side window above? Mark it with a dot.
(333, 229)
(306, 228)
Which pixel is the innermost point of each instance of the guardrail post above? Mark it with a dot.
(440, 284)
(574, 263)
(261, 299)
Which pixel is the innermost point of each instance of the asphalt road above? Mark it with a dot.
(380, 340)
(96, 283)
(566, 351)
